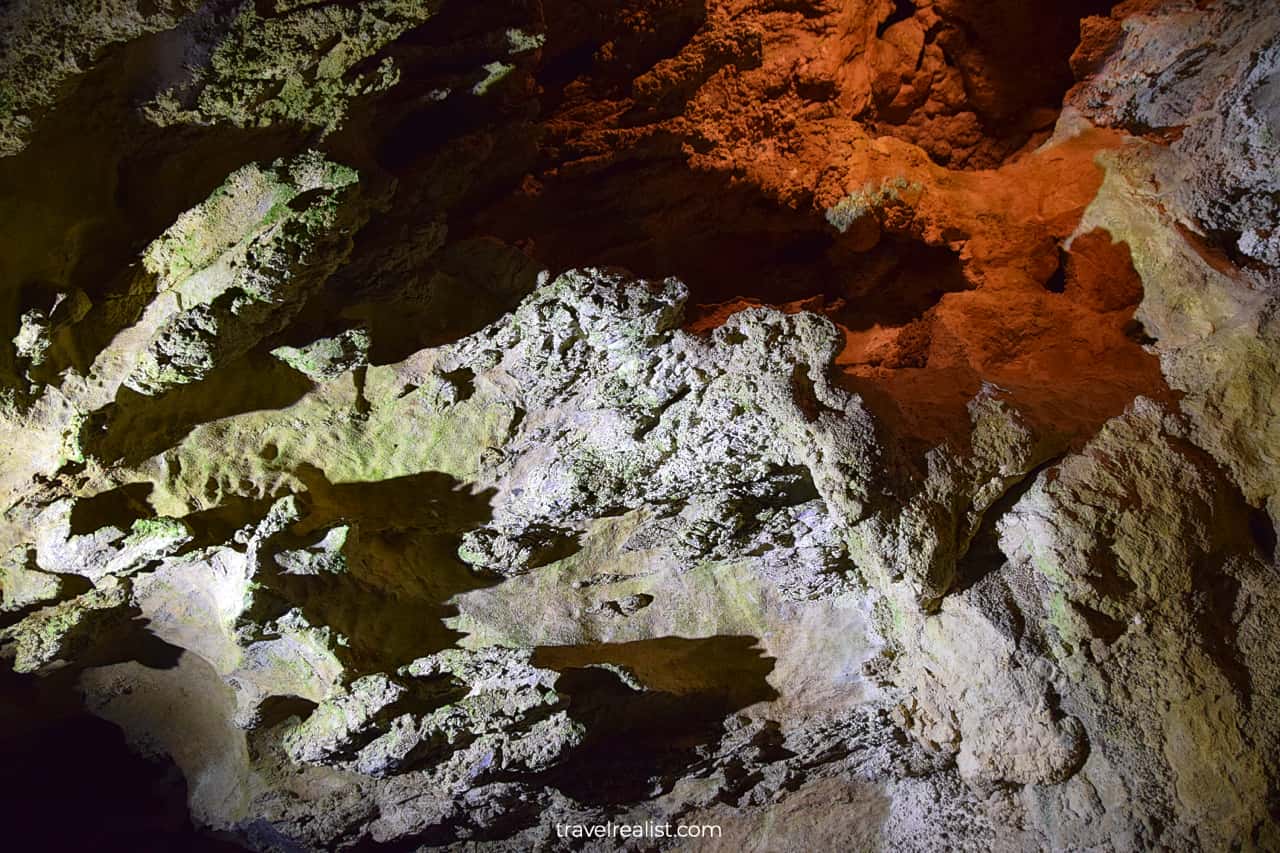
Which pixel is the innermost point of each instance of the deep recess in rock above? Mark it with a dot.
(128, 803)
(850, 424)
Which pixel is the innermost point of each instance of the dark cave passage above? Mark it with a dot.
(71, 760)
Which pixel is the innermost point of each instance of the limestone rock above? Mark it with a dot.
(327, 358)
(242, 292)
(23, 584)
(1157, 546)
(1153, 82)
(332, 728)
(46, 45)
(297, 63)
(435, 425)
(63, 631)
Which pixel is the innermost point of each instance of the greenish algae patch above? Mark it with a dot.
(300, 67)
(396, 437)
(249, 201)
(157, 531)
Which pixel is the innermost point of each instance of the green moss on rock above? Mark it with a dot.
(244, 263)
(298, 67)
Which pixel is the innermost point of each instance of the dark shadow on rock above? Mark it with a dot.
(401, 562)
(145, 647)
(1263, 533)
(430, 500)
(137, 426)
(276, 709)
(637, 740)
(402, 566)
(729, 242)
(411, 293)
(215, 526)
(1215, 593)
(391, 602)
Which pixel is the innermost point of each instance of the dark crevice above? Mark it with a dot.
(1057, 283)
(1101, 625)
(983, 554)
(656, 418)
(563, 69)
(1263, 532)
(362, 405)
(118, 507)
(1227, 243)
(426, 130)
(803, 393)
(47, 743)
(463, 380)
(274, 710)
(636, 740)
(1136, 332)
(902, 10)
(1107, 582)
(411, 293)
(1213, 602)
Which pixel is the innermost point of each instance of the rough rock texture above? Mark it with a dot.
(46, 45)
(851, 425)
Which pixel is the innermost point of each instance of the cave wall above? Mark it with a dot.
(850, 423)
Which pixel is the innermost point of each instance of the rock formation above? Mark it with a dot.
(852, 425)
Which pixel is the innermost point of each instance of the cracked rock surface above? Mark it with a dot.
(851, 425)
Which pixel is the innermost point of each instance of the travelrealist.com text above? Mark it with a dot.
(647, 829)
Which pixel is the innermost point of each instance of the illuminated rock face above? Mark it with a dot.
(852, 425)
